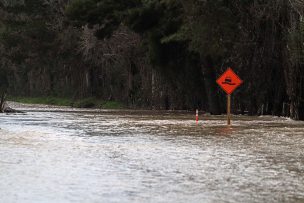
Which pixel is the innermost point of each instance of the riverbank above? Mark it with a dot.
(78, 103)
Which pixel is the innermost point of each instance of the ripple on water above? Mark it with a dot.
(149, 157)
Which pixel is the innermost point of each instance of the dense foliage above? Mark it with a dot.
(163, 54)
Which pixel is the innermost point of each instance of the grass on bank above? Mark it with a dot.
(80, 103)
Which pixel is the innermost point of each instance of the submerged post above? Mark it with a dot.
(229, 109)
(196, 116)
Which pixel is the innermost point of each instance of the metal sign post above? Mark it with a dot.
(229, 109)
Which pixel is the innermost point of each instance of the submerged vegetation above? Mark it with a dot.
(43, 100)
(159, 54)
(78, 103)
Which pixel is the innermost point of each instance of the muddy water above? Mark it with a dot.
(47, 155)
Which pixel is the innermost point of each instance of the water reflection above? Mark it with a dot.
(225, 130)
(149, 157)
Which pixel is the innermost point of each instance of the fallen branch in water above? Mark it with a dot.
(4, 108)
(2, 103)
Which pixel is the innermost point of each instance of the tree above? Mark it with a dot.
(157, 22)
(3, 88)
(294, 72)
(167, 53)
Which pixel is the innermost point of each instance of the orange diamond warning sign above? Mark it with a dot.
(229, 81)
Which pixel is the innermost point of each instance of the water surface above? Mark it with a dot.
(68, 155)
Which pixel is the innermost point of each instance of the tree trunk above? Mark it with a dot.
(153, 88)
(210, 86)
(2, 102)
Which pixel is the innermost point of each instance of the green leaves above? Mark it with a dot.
(143, 16)
(107, 14)
(143, 19)
(211, 26)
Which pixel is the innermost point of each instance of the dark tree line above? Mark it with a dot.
(163, 54)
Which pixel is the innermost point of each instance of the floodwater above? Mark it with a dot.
(68, 155)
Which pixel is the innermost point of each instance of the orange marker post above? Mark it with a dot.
(196, 116)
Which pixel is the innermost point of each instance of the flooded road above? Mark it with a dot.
(142, 156)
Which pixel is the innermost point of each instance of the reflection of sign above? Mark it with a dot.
(229, 81)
